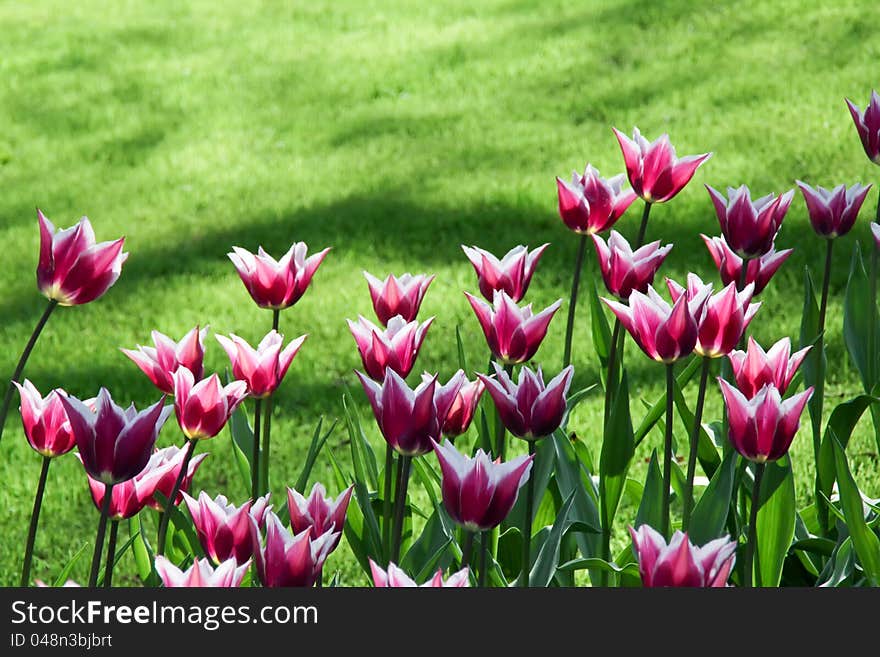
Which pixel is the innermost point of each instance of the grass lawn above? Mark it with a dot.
(394, 132)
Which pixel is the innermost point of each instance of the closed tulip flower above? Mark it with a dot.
(394, 348)
(512, 273)
(462, 397)
(285, 559)
(680, 562)
(833, 212)
(203, 408)
(319, 512)
(625, 270)
(262, 368)
(868, 126)
(398, 295)
(750, 227)
(759, 271)
(201, 574)
(223, 528)
(276, 284)
(73, 268)
(591, 204)
(755, 368)
(45, 421)
(396, 578)
(159, 363)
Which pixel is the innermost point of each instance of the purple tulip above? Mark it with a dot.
(277, 284)
(462, 396)
(203, 408)
(262, 368)
(319, 512)
(625, 270)
(159, 363)
(753, 369)
(394, 348)
(224, 529)
(868, 126)
(398, 296)
(750, 227)
(760, 270)
(591, 204)
(512, 273)
(45, 421)
(833, 212)
(202, 574)
(681, 563)
(285, 559)
(396, 578)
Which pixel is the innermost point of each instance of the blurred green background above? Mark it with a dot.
(393, 132)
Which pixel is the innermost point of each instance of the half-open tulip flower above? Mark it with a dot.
(665, 333)
(201, 574)
(750, 227)
(203, 408)
(760, 270)
(45, 421)
(262, 368)
(654, 171)
(625, 270)
(462, 396)
(408, 419)
(319, 512)
(512, 333)
(478, 493)
(168, 462)
(591, 204)
(276, 284)
(762, 428)
(868, 126)
(396, 578)
(115, 443)
(394, 348)
(223, 528)
(398, 295)
(755, 368)
(680, 562)
(288, 559)
(528, 408)
(723, 318)
(73, 269)
(833, 212)
(159, 363)
(875, 231)
(512, 273)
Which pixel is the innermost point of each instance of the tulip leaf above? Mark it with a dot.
(242, 444)
(315, 447)
(707, 454)
(427, 550)
(616, 456)
(143, 552)
(841, 424)
(363, 457)
(840, 567)
(573, 400)
(572, 480)
(68, 567)
(542, 470)
(459, 343)
(813, 367)
(182, 522)
(815, 545)
(594, 563)
(658, 408)
(776, 520)
(651, 507)
(120, 552)
(544, 569)
(601, 330)
(710, 513)
(858, 317)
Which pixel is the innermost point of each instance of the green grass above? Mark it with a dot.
(394, 132)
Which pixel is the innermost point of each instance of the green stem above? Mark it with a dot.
(819, 393)
(572, 304)
(111, 554)
(606, 555)
(35, 519)
(740, 286)
(386, 501)
(468, 548)
(267, 431)
(753, 529)
(99, 538)
(688, 501)
(484, 550)
(403, 466)
(667, 452)
(19, 368)
(276, 318)
(500, 434)
(643, 227)
(166, 516)
(255, 456)
(527, 526)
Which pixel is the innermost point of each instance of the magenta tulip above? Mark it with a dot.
(262, 368)
(512, 273)
(277, 284)
(681, 563)
(654, 171)
(625, 270)
(321, 513)
(45, 421)
(398, 296)
(512, 333)
(591, 204)
(875, 231)
(159, 363)
(750, 227)
(396, 578)
(394, 348)
(833, 212)
(287, 559)
(203, 408)
(753, 369)
(462, 396)
(73, 268)
(529, 409)
(201, 574)
(868, 126)
(224, 529)
(169, 461)
(759, 271)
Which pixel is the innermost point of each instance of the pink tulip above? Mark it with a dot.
(203, 408)
(681, 563)
(408, 419)
(665, 333)
(875, 231)
(753, 369)
(396, 578)
(833, 212)
(277, 284)
(868, 126)
(655, 173)
(201, 574)
(625, 270)
(398, 296)
(512, 273)
(262, 368)
(322, 514)
(762, 428)
(395, 348)
(750, 227)
(723, 318)
(462, 396)
(115, 443)
(285, 559)
(45, 421)
(169, 460)
(591, 204)
(159, 363)
(512, 333)
(68, 584)
(760, 270)
(73, 269)
(528, 408)
(478, 493)
(224, 529)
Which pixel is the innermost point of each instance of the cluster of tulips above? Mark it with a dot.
(208, 541)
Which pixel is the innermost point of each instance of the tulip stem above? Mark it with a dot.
(484, 550)
(403, 465)
(35, 519)
(643, 227)
(527, 525)
(99, 538)
(264, 462)
(19, 368)
(611, 379)
(753, 529)
(255, 456)
(111, 554)
(386, 500)
(667, 452)
(468, 548)
(572, 304)
(166, 516)
(276, 318)
(819, 394)
(688, 501)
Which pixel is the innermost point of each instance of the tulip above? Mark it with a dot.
(462, 396)
(224, 529)
(276, 284)
(591, 204)
(750, 227)
(68, 584)
(203, 408)
(396, 578)
(868, 126)
(262, 368)
(398, 296)
(759, 270)
(755, 368)
(395, 348)
(45, 421)
(201, 574)
(681, 563)
(512, 333)
(287, 559)
(159, 363)
(625, 270)
(875, 231)
(321, 514)
(512, 273)
(833, 212)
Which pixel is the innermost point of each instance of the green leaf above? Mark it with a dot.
(858, 317)
(616, 456)
(595, 563)
(776, 519)
(841, 565)
(459, 343)
(841, 423)
(315, 447)
(143, 551)
(813, 367)
(242, 444)
(573, 400)
(601, 330)
(548, 558)
(428, 548)
(362, 451)
(182, 522)
(572, 479)
(65, 572)
(707, 454)
(658, 408)
(710, 513)
(651, 507)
